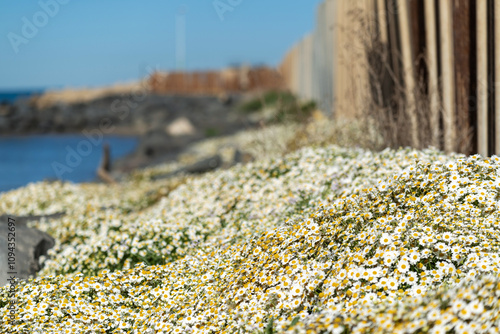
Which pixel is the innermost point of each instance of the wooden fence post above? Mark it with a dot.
(497, 76)
(408, 70)
(448, 76)
(382, 21)
(432, 59)
(482, 77)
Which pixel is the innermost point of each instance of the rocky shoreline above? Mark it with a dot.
(164, 124)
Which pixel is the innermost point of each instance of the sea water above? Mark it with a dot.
(33, 158)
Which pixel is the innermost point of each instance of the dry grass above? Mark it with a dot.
(83, 95)
(386, 105)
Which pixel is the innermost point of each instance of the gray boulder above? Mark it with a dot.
(199, 167)
(4, 123)
(242, 157)
(205, 165)
(29, 245)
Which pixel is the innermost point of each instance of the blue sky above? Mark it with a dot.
(99, 42)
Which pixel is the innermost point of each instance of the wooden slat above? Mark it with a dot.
(463, 74)
(432, 66)
(382, 21)
(448, 75)
(497, 76)
(408, 70)
(482, 77)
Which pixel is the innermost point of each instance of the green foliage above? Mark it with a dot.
(294, 322)
(269, 327)
(287, 106)
(211, 132)
(294, 111)
(268, 99)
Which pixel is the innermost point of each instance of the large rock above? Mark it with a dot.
(29, 245)
(242, 157)
(180, 127)
(5, 110)
(4, 123)
(205, 165)
(199, 167)
(155, 143)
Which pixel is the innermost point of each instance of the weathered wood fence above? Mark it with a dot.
(439, 60)
(242, 79)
